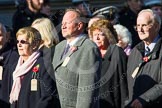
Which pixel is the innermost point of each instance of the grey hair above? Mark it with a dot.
(124, 33)
(154, 17)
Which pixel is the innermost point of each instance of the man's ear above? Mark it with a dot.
(80, 25)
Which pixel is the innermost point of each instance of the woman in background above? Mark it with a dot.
(124, 38)
(113, 90)
(49, 40)
(8, 56)
(47, 30)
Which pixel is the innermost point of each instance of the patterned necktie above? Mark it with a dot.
(147, 50)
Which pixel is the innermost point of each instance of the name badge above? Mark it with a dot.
(65, 61)
(34, 84)
(1, 72)
(135, 72)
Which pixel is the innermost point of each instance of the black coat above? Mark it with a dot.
(46, 94)
(9, 58)
(113, 91)
(47, 54)
(147, 85)
(23, 18)
(128, 19)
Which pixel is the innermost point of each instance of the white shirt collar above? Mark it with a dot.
(152, 45)
(73, 42)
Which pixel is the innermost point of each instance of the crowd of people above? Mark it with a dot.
(110, 58)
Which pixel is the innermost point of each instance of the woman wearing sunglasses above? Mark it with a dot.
(32, 86)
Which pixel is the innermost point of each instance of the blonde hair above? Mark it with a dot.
(47, 30)
(107, 28)
(32, 34)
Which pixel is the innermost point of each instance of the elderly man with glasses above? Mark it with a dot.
(144, 71)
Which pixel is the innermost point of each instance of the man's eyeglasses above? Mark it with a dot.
(144, 27)
(22, 42)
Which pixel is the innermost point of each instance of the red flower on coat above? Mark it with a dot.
(36, 68)
(145, 59)
(73, 48)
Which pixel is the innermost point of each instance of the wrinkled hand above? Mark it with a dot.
(136, 104)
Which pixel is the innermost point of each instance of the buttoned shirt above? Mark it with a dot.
(152, 45)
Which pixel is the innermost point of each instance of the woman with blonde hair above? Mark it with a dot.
(49, 40)
(32, 86)
(47, 30)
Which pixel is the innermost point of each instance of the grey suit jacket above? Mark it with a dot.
(77, 80)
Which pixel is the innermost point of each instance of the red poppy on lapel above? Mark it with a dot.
(73, 48)
(146, 58)
(36, 69)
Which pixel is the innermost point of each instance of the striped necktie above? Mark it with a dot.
(147, 50)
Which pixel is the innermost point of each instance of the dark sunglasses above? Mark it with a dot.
(22, 42)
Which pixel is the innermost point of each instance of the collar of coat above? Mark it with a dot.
(156, 51)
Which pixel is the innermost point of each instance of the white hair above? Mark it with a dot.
(154, 17)
(124, 33)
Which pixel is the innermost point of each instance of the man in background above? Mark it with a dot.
(83, 6)
(128, 16)
(25, 16)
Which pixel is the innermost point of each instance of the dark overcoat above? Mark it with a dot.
(46, 94)
(146, 86)
(113, 91)
(8, 59)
